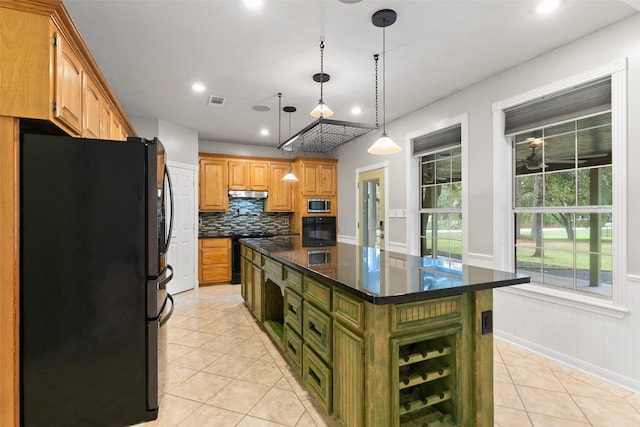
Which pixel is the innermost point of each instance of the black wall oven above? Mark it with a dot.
(318, 231)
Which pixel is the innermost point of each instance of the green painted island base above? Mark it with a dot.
(422, 363)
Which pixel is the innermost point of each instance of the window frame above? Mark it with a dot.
(414, 201)
(503, 221)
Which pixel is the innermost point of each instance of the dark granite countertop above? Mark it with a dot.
(382, 277)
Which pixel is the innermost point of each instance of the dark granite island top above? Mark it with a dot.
(382, 277)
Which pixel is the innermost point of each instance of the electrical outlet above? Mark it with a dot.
(285, 221)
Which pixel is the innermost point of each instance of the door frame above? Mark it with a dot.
(382, 165)
(194, 212)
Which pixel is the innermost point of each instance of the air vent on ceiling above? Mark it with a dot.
(216, 101)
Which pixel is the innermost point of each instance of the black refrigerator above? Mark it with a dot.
(95, 219)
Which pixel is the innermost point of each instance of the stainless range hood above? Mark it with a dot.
(242, 194)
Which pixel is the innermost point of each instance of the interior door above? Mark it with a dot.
(182, 251)
(371, 202)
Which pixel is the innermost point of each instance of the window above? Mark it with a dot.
(440, 157)
(562, 191)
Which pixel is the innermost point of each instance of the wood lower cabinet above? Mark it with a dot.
(214, 260)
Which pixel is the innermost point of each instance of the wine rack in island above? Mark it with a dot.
(428, 382)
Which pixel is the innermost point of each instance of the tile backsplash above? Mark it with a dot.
(244, 215)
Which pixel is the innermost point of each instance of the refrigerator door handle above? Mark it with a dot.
(165, 319)
(162, 284)
(166, 174)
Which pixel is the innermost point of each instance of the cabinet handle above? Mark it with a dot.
(313, 328)
(314, 377)
(292, 309)
(293, 349)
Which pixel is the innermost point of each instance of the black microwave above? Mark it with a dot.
(318, 205)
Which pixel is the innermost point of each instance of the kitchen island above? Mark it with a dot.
(380, 338)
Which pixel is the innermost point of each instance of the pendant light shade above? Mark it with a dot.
(290, 176)
(321, 109)
(384, 145)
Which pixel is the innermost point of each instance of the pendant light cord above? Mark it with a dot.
(384, 84)
(279, 116)
(321, 69)
(375, 57)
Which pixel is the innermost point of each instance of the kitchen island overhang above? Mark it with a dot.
(379, 338)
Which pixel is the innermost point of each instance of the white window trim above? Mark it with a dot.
(413, 184)
(503, 225)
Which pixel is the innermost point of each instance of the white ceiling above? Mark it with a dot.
(151, 52)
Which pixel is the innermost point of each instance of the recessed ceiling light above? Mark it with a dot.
(264, 132)
(253, 4)
(356, 110)
(198, 87)
(547, 6)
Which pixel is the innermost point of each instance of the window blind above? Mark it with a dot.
(590, 98)
(439, 140)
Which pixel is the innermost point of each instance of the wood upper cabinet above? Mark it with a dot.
(258, 176)
(214, 260)
(105, 121)
(214, 186)
(318, 178)
(280, 192)
(248, 175)
(68, 87)
(91, 109)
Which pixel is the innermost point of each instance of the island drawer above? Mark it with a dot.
(348, 310)
(317, 292)
(318, 377)
(246, 252)
(272, 267)
(293, 278)
(293, 310)
(316, 330)
(257, 257)
(293, 348)
(423, 313)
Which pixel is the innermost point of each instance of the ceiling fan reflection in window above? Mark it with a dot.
(534, 161)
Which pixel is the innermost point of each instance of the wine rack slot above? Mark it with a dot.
(426, 377)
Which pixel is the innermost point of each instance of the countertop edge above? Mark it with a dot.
(392, 299)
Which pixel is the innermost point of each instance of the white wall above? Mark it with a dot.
(181, 143)
(605, 343)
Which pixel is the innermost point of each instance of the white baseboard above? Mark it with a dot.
(579, 365)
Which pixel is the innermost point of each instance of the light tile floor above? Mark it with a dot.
(225, 371)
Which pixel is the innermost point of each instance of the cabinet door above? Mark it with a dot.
(257, 292)
(309, 180)
(348, 377)
(105, 120)
(239, 175)
(280, 192)
(327, 179)
(91, 108)
(213, 185)
(259, 176)
(67, 87)
(215, 260)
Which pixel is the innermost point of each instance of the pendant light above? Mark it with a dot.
(384, 145)
(321, 109)
(289, 176)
